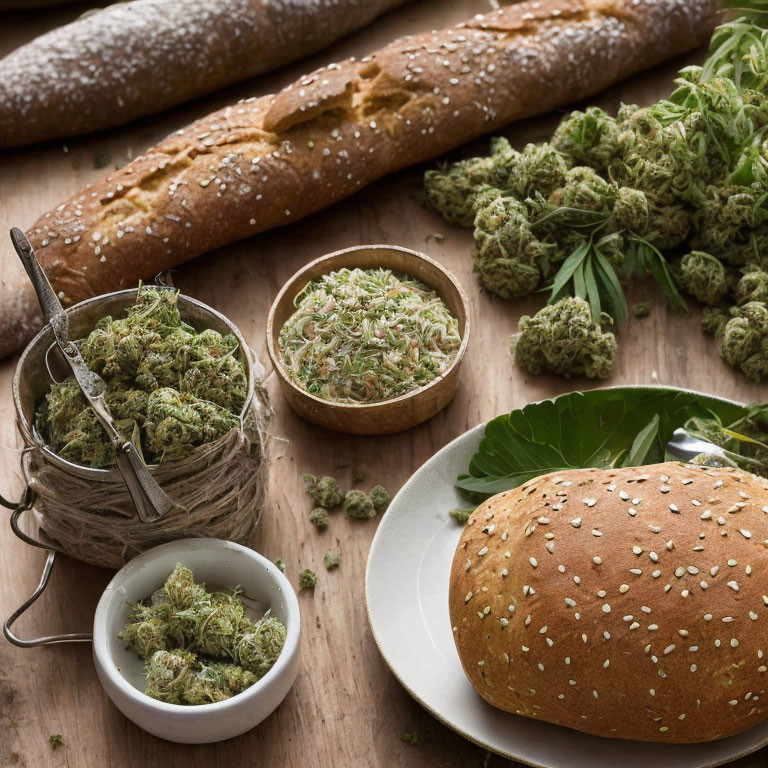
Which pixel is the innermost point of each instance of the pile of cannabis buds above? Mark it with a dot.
(677, 191)
(200, 647)
(169, 388)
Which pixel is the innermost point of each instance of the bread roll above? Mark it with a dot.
(136, 58)
(628, 603)
(268, 161)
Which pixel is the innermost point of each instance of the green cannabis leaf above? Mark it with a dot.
(587, 274)
(622, 426)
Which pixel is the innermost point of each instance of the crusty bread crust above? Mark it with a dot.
(115, 64)
(268, 161)
(630, 603)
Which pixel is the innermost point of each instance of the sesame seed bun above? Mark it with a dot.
(627, 603)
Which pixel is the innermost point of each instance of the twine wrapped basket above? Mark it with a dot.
(88, 513)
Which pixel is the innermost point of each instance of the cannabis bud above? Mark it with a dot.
(257, 651)
(380, 498)
(461, 515)
(451, 192)
(359, 505)
(641, 309)
(564, 339)
(753, 286)
(189, 638)
(332, 559)
(178, 677)
(169, 388)
(307, 579)
(588, 138)
(325, 492)
(703, 276)
(506, 251)
(319, 517)
(743, 340)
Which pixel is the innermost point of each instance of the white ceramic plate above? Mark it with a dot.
(407, 597)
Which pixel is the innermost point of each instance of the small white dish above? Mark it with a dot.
(406, 589)
(219, 564)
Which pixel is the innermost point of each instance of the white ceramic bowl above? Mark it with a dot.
(219, 564)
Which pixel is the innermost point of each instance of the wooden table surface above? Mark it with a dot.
(346, 708)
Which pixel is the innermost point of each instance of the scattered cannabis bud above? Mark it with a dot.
(742, 338)
(564, 339)
(461, 515)
(325, 492)
(641, 309)
(189, 638)
(280, 564)
(380, 498)
(332, 559)
(56, 741)
(364, 336)
(319, 517)
(307, 579)
(598, 207)
(359, 505)
(170, 389)
(410, 738)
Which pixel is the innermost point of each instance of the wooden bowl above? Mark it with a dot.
(387, 416)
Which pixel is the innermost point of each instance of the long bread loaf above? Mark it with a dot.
(627, 603)
(268, 161)
(130, 59)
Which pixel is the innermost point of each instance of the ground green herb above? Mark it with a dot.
(307, 579)
(319, 517)
(366, 336)
(280, 564)
(359, 505)
(190, 637)
(332, 559)
(610, 200)
(410, 737)
(461, 514)
(56, 741)
(169, 387)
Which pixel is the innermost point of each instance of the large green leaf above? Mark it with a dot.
(622, 426)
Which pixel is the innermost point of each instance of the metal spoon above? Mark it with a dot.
(151, 501)
(685, 447)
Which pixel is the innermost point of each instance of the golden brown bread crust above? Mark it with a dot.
(114, 64)
(629, 603)
(264, 162)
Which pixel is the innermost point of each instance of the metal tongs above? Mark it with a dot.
(151, 501)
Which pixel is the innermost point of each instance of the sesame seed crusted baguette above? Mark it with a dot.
(136, 58)
(267, 161)
(629, 603)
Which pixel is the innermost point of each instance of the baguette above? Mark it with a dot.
(626, 603)
(268, 161)
(130, 59)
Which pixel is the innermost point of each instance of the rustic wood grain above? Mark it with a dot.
(346, 708)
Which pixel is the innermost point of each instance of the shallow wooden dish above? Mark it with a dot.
(388, 416)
